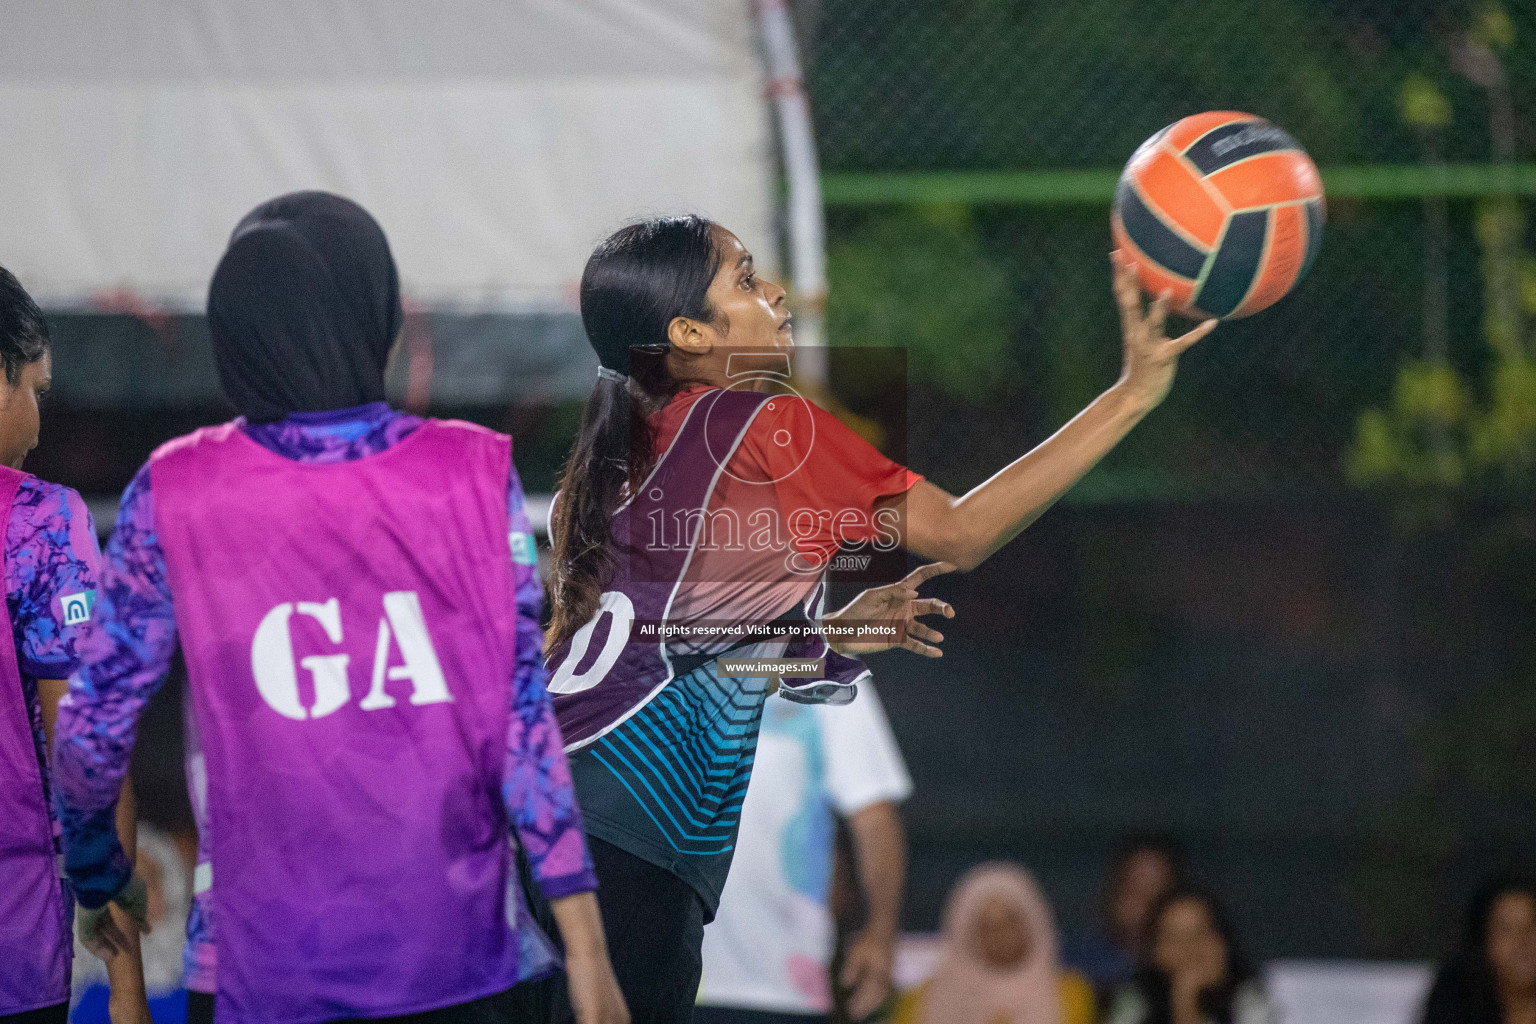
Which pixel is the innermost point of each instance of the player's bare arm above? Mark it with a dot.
(966, 530)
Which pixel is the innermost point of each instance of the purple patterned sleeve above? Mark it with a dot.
(51, 567)
(336, 436)
(537, 788)
(124, 660)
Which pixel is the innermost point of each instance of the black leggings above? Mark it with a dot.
(502, 1008)
(56, 1014)
(731, 1015)
(199, 1007)
(655, 927)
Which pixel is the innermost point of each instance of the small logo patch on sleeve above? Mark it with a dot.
(77, 607)
(524, 551)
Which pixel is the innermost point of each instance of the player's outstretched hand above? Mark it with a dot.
(99, 929)
(1151, 357)
(896, 604)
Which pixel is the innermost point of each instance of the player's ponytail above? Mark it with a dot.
(635, 284)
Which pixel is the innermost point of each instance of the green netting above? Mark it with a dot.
(979, 140)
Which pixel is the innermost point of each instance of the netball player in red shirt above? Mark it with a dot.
(694, 496)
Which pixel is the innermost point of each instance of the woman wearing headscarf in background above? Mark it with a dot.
(363, 656)
(998, 962)
(1492, 978)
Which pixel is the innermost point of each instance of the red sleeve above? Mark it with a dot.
(821, 471)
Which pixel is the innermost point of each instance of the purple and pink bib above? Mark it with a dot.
(35, 943)
(349, 637)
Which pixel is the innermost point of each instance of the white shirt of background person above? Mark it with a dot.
(770, 945)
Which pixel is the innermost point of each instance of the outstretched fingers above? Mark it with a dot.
(1184, 341)
(923, 573)
(1127, 291)
(916, 646)
(1157, 317)
(924, 632)
(932, 606)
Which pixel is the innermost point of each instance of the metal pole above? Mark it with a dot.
(806, 221)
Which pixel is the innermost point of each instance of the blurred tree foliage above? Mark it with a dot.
(997, 301)
(1447, 432)
(921, 279)
(1032, 83)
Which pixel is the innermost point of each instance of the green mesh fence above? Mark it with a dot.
(970, 149)
(1011, 84)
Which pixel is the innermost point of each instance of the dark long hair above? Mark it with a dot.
(1157, 988)
(636, 283)
(23, 331)
(1465, 990)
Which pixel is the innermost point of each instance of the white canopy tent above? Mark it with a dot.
(496, 140)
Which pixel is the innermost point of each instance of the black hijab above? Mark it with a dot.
(304, 307)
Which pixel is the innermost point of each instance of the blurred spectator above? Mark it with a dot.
(1193, 972)
(1492, 979)
(1142, 869)
(166, 873)
(767, 953)
(998, 962)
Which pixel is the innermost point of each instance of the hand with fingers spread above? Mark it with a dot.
(896, 604)
(1151, 357)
